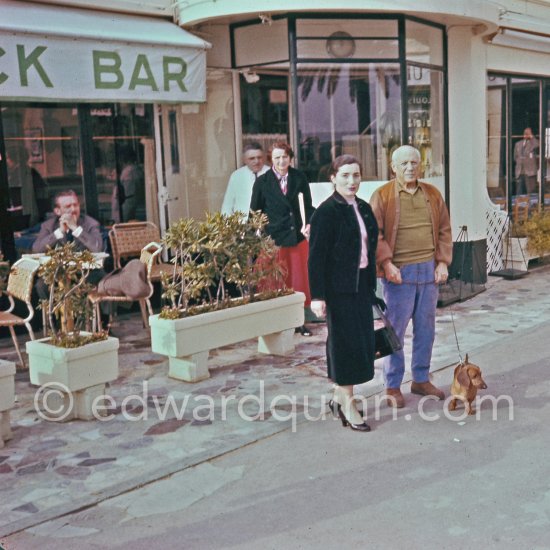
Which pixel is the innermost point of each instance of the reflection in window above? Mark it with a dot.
(425, 118)
(514, 171)
(348, 109)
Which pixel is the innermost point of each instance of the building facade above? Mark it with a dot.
(81, 96)
(459, 80)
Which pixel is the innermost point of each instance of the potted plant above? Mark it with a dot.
(527, 240)
(78, 362)
(210, 257)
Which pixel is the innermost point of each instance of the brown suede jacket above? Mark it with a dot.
(385, 204)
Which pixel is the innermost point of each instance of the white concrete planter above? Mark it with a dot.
(187, 341)
(80, 373)
(7, 398)
(515, 253)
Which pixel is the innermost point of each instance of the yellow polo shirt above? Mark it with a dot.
(415, 240)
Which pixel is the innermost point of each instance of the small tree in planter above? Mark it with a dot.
(78, 362)
(68, 309)
(209, 256)
(218, 251)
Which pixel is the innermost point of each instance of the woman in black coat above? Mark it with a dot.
(342, 278)
(276, 193)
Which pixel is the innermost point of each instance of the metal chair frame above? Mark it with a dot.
(148, 256)
(127, 241)
(19, 287)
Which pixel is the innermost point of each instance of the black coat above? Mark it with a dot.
(283, 211)
(335, 247)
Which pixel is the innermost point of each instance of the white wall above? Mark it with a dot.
(467, 131)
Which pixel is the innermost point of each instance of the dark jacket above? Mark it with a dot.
(283, 211)
(90, 239)
(335, 247)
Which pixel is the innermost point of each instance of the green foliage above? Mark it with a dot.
(537, 231)
(68, 309)
(211, 254)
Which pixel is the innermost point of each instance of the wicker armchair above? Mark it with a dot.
(19, 287)
(127, 241)
(148, 256)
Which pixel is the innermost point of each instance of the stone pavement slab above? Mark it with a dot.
(161, 426)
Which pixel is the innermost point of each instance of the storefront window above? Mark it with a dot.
(344, 90)
(348, 109)
(44, 156)
(514, 168)
(264, 107)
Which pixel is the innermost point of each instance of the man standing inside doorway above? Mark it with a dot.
(413, 255)
(525, 157)
(239, 189)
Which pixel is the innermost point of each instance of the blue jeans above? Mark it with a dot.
(415, 299)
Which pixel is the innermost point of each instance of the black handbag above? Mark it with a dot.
(386, 341)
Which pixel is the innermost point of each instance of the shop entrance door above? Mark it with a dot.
(172, 190)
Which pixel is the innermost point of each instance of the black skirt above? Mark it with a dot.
(350, 342)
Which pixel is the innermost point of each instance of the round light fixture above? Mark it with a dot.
(340, 44)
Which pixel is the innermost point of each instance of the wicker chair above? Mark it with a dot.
(127, 241)
(20, 284)
(148, 256)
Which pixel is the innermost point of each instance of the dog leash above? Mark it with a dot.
(456, 335)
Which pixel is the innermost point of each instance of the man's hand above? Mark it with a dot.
(319, 308)
(441, 273)
(392, 273)
(66, 222)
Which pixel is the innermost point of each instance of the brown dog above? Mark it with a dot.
(467, 380)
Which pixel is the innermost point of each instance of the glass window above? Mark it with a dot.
(514, 169)
(525, 137)
(497, 157)
(263, 43)
(43, 150)
(117, 133)
(425, 121)
(352, 109)
(264, 108)
(424, 43)
(43, 157)
(366, 28)
(342, 45)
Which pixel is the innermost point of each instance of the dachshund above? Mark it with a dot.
(467, 380)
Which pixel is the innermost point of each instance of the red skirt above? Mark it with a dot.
(294, 258)
(294, 261)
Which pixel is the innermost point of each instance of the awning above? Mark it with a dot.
(55, 53)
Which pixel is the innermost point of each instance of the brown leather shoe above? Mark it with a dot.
(427, 388)
(394, 398)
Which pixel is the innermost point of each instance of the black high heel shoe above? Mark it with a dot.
(364, 427)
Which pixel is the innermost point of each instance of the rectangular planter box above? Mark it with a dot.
(75, 368)
(515, 254)
(7, 385)
(191, 335)
(188, 341)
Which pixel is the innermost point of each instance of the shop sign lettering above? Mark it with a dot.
(80, 71)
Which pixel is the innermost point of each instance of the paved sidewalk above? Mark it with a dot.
(50, 469)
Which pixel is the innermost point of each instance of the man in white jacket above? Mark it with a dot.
(239, 189)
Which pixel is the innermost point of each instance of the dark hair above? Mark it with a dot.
(340, 161)
(252, 146)
(284, 146)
